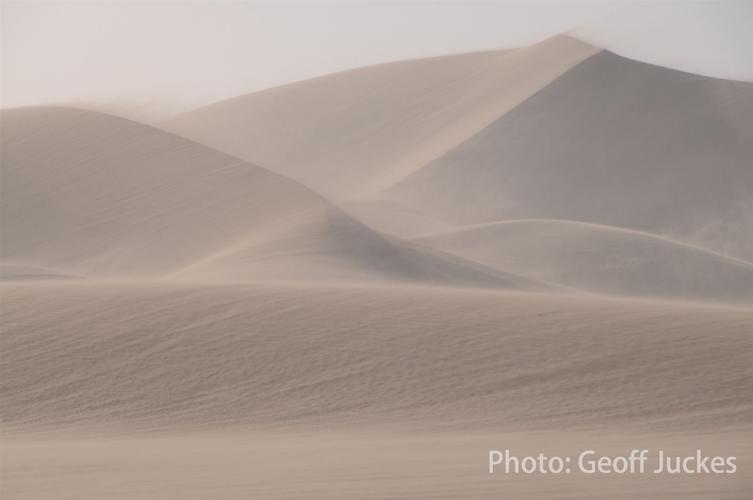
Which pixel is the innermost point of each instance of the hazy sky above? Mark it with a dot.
(149, 60)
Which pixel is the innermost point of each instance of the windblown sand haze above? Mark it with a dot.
(355, 286)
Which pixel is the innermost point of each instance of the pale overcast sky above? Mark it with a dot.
(149, 60)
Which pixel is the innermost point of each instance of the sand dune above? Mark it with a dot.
(601, 259)
(356, 131)
(146, 356)
(330, 246)
(233, 333)
(21, 272)
(615, 142)
(483, 137)
(395, 219)
(157, 391)
(102, 197)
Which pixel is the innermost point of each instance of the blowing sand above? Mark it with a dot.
(160, 355)
(124, 390)
(356, 286)
(365, 129)
(97, 196)
(614, 142)
(601, 259)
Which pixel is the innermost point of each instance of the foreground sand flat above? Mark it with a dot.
(270, 391)
(321, 464)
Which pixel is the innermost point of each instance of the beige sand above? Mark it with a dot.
(486, 137)
(601, 259)
(90, 194)
(21, 272)
(614, 142)
(177, 322)
(367, 128)
(154, 391)
(86, 355)
(365, 465)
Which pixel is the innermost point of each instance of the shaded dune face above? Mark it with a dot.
(601, 259)
(20, 272)
(615, 142)
(102, 197)
(354, 132)
(331, 246)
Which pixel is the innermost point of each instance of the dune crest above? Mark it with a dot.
(332, 247)
(558, 130)
(601, 259)
(613, 142)
(21, 272)
(103, 197)
(358, 131)
(353, 286)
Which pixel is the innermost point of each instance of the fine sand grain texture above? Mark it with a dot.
(153, 356)
(158, 391)
(326, 465)
(354, 287)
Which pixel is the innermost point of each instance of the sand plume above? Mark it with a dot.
(601, 259)
(614, 142)
(356, 131)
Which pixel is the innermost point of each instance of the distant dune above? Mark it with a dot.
(356, 131)
(353, 287)
(395, 219)
(99, 196)
(558, 130)
(615, 142)
(330, 246)
(601, 259)
(20, 272)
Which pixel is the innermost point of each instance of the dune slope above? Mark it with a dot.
(331, 246)
(177, 322)
(21, 272)
(615, 142)
(145, 356)
(99, 195)
(353, 132)
(602, 259)
(102, 197)
(235, 391)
